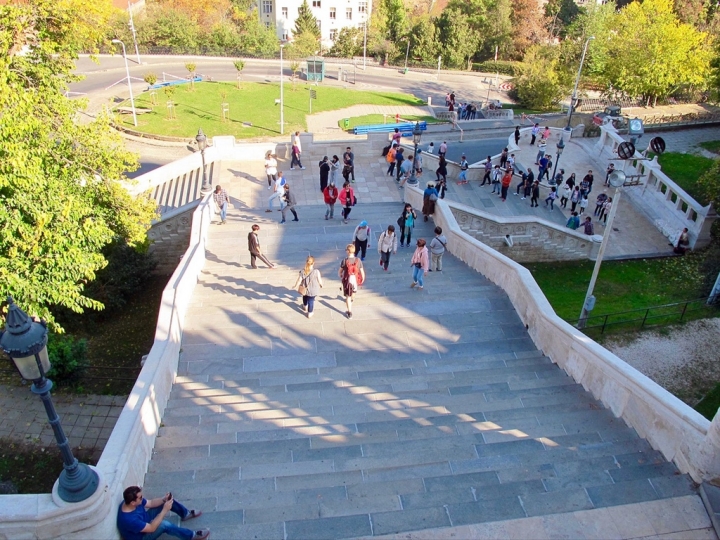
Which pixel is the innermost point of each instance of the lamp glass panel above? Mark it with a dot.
(27, 366)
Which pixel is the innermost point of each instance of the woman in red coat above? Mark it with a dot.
(347, 199)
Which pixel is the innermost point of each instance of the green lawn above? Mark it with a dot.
(621, 285)
(371, 119)
(712, 146)
(253, 103)
(685, 169)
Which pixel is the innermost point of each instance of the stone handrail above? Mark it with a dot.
(179, 167)
(128, 451)
(682, 434)
(665, 203)
(498, 114)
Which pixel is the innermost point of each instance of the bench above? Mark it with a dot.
(405, 128)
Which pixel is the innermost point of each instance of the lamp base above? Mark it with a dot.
(77, 485)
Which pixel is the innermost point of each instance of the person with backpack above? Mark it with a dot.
(278, 192)
(324, 173)
(438, 245)
(573, 222)
(420, 264)
(330, 194)
(308, 284)
(347, 199)
(387, 243)
(352, 275)
(430, 197)
(406, 221)
(361, 239)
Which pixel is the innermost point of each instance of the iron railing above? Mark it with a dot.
(653, 316)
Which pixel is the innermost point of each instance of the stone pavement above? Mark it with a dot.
(429, 409)
(87, 420)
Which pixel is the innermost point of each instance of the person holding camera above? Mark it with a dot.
(142, 519)
(420, 264)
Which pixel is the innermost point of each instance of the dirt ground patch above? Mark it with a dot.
(684, 359)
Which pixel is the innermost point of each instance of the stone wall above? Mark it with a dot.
(524, 239)
(170, 238)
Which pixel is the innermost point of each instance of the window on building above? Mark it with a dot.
(333, 34)
(348, 14)
(316, 3)
(362, 7)
(267, 6)
(318, 22)
(285, 35)
(332, 13)
(267, 24)
(284, 12)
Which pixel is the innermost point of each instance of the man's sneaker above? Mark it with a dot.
(413, 284)
(514, 193)
(283, 221)
(429, 270)
(292, 168)
(268, 187)
(201, 534)
(296, 219)
(420, 287)
(522, 198)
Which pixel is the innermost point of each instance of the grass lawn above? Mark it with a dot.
(621, 285)
(685, 169)
(253, 103)
(709, 405)
(372, 119)
(712, 146)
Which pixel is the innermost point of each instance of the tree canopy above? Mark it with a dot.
(60, 181)
(306, 22)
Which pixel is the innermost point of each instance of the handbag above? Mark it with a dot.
(302, 288)
(433, 197)
(354, 201)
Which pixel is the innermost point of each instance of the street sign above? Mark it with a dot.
(313, 94)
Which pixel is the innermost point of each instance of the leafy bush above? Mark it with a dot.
(504, 67)
(150, 78)
(68, 358)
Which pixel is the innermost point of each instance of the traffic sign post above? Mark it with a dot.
(313, 95)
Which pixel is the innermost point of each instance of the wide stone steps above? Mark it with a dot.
(182, 190)
(428, 409)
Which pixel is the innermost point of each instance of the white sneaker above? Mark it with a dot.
(303, 168)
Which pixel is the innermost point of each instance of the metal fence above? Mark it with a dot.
(653, 316)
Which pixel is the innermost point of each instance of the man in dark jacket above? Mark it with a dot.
(254, 248)
(324, 173)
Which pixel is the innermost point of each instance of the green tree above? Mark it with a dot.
(528, 26)
(458, 42)
(396, 22)
(306, 22)
(499, 33)
(257, 39)
(169, 29)
(60, 181)
(543, 81)
(424, 45)
(302, 46)
(348, 43)
(560, 14)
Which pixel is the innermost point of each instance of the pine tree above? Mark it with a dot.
(306, 21)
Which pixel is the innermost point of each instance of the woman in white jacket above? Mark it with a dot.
(361, 239)
(387, 243)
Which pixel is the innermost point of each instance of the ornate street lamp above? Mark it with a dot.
(558, 153)
(25, 341)
(417, 135)
(201, 141)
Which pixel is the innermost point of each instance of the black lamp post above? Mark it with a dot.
(558, 153)
(201, 140)
(417, 135)
(25, 341)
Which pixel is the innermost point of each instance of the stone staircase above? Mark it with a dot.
(428, 409)
(182, 191)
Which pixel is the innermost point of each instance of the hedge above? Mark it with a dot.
(504, 67)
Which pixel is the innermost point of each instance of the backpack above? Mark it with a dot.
(351, 276)
(386, 150)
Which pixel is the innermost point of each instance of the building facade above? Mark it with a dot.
(331, 15)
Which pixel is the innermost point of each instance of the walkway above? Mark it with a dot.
(428, 410)
(326, 123)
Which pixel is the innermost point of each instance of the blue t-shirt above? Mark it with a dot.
(131, 523)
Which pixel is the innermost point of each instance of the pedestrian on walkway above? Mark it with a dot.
(566, 193)
(387, 243)
(504, 158)
(535, 194)
(546, 133)
(308, 284)
(361, 239)
(544, 164)
(431, 148)
(420, 264)
(291, 203)
(443, 149)
(488, 170)
(347, 199)
(418, 161)
(278, 193)
(430, 197)
(139, 518)
(608, 172)
(607, 205)
(583, 204)
(396, 136)
(496, 177)
(464, 166)
(334, 168)
(399, 159)
(511, 162)
(390, 158)
(551, 197)
(349, 163)
(406, 222)
(221, 201)
(529, 183)
(506, 180)
(534, 133)
(589, 178)
(599, 202)
(254, 248)
(542, 145)
(588, 227)
(330, 195)
(270, 168)
(521, 184)
(296, 140)
(438, 245)
(324, 173)
(571, 181)
(575, 198)
(517, 135)
(405, 170)
(296, 157)
(573, 222)
(352, 276)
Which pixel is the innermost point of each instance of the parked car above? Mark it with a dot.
(612, 113)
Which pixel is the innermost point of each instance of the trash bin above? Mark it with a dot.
(346, 123)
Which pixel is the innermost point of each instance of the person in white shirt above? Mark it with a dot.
(361, 239)
(270, 168)
(431, 148)
(387, 243)
(278, 193)
(296, 140)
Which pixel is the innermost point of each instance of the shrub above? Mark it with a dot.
(150, 78)
(68, 358)
(504, 67)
